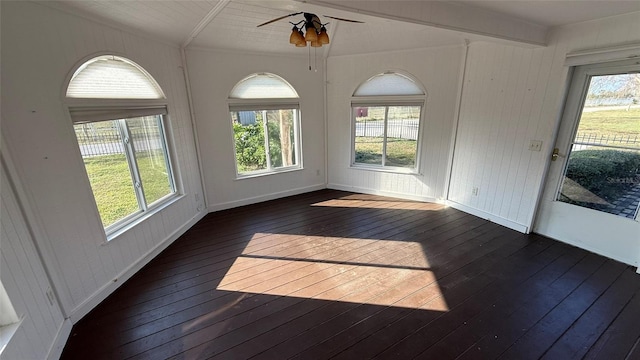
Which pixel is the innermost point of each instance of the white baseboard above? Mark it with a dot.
(491, 217)
(261, 198)
(97, 297)
(55, 351)
(383, 193)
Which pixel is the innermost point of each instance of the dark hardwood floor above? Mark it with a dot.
(332, 274)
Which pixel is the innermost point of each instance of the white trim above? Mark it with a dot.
(101, 294)
(384, 168)
(83, 115)
(488, 216)
(263, 104)
(266, 172)
(262, 198)
(456, 121)
(388, 100)
(206, 20)
(394, 194)
(606, 54)
(194, 129)
(55, 351)
(129, 222)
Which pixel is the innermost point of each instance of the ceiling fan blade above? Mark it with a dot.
(341, 19)
(279, 18)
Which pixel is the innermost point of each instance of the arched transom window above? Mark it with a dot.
(387, 111)
(119, 113)
(265, 117)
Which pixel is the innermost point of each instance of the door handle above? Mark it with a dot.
(555, 154)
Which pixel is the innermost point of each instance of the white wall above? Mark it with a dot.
(40, 47)
(438, 69)
(213, 74)
(26, 283)
(513, 95)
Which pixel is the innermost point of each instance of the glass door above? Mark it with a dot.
(592, 190)
(603, 168)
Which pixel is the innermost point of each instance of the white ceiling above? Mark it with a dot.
(231, 24)
(557, 12)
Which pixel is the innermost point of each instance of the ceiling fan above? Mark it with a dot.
(316, 31)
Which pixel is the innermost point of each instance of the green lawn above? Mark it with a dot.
(400, 152)
(611, 122)
(112, 186)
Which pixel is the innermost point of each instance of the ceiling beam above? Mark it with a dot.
(447, 15)
(205, 21)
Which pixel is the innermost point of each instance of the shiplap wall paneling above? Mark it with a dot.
(41, 47)
(513, 95)
(25, 281)
(213, 75)
(438, 69)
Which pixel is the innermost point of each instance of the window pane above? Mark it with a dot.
(369, 134)
(151, 156)
(603, 171)
(603, 179)
(104, 158)
(263, 86)
(112, 77)
(402, 136)
(388, 84)
(281, 138)
(248, 129)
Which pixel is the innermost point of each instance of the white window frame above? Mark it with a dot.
(386, 102)
(264, 104)
(88, 110)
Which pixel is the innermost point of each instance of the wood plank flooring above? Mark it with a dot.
(332, 274)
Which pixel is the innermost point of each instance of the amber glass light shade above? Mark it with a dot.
(311, 34)
(298, 38)
(316, 44)
(295, 36)
(323, 37)
(300, 42)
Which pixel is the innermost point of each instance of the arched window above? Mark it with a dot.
(266, 120)
(119, 113)
(387, 110)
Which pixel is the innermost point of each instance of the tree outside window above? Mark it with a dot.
(265, 132)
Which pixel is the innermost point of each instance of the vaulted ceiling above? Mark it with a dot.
(389, 25)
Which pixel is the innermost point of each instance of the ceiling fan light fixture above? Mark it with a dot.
(316, 44)
(323, 37)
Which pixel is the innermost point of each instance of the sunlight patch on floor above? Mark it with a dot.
(380, 204)
(368, 271)
(269, 247)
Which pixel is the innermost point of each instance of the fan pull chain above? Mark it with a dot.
(309, 58)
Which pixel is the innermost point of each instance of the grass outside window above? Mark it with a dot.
(386, 136)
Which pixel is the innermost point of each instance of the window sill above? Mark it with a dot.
(112, 235)
(267, 173)
(6, 333)
(394, 170)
